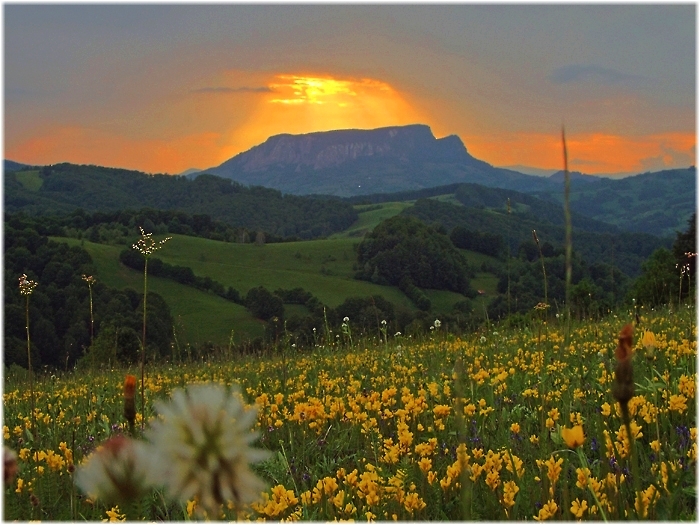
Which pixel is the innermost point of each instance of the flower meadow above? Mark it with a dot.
(505, 424)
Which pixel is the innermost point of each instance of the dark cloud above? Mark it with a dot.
(222, 89)
(590, 73)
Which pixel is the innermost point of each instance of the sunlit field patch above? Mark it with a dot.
(505, 424)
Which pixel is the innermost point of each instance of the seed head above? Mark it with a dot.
(146, 245)
(26, 286)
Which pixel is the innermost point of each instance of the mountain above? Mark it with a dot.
(574, 177)
(355, 162)
(11, 165)
(189, 171)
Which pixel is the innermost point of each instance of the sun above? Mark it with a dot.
(304, 103)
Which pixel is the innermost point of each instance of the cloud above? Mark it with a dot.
(591, 73)
(223, 89)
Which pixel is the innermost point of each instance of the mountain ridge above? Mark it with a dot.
(354, 161)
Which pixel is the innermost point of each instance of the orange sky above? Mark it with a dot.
(165, 89)
(302, 103)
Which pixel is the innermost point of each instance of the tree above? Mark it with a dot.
(404, 248)
(658, 283)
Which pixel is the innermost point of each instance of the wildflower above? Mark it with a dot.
(26, 286)
(129, 404)
(573, 437)
(114, 515)
(649, 342)
(677, 403)
(515, 428)
(146, 245)
(623, 385)
(9, 462)
(201, 447)
(115, 472)
(510, 489)
(578, 507)
(644, 500)
(547, 511)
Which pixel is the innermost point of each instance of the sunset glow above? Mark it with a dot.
(166, 89)
(591, 153)
(299, 104)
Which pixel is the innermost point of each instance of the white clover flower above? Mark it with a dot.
(116, 472)
(482, 340)
(383, 322)
(437, 323)
(201, 447)
(346, 319)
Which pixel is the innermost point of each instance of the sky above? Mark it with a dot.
(164, 88)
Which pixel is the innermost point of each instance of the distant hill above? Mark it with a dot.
(659, 203)
(11, 165)
(355, 162)
(574, 177)
(62, 188)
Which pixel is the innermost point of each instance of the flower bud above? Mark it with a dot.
(129, 395)
(623, 385)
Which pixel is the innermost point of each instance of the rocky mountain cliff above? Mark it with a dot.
(355, 162)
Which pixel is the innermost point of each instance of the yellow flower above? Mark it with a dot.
(547, 511)
(113, 515)
(510, 489)
(677, 403)
(515, 428)
(573, 437)
(648, 340)
(578, 507)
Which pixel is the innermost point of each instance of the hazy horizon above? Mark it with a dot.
(164, 88)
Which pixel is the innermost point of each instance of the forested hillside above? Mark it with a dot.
(625, 250)
(62, 188)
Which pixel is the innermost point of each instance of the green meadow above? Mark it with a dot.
(322, 267)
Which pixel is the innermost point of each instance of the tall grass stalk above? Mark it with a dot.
(508, 257)
(544, 272)
(90, 280)
(26, 287)
(567, 223)
(146, 245)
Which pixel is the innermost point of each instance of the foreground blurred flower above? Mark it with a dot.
(573, 437)
(9, 465)
(200, 447)
(115, 472)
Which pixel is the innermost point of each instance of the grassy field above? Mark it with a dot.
(505, 424)
(374, 214)
(29, 179)
(322, 267)
(191, 309)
